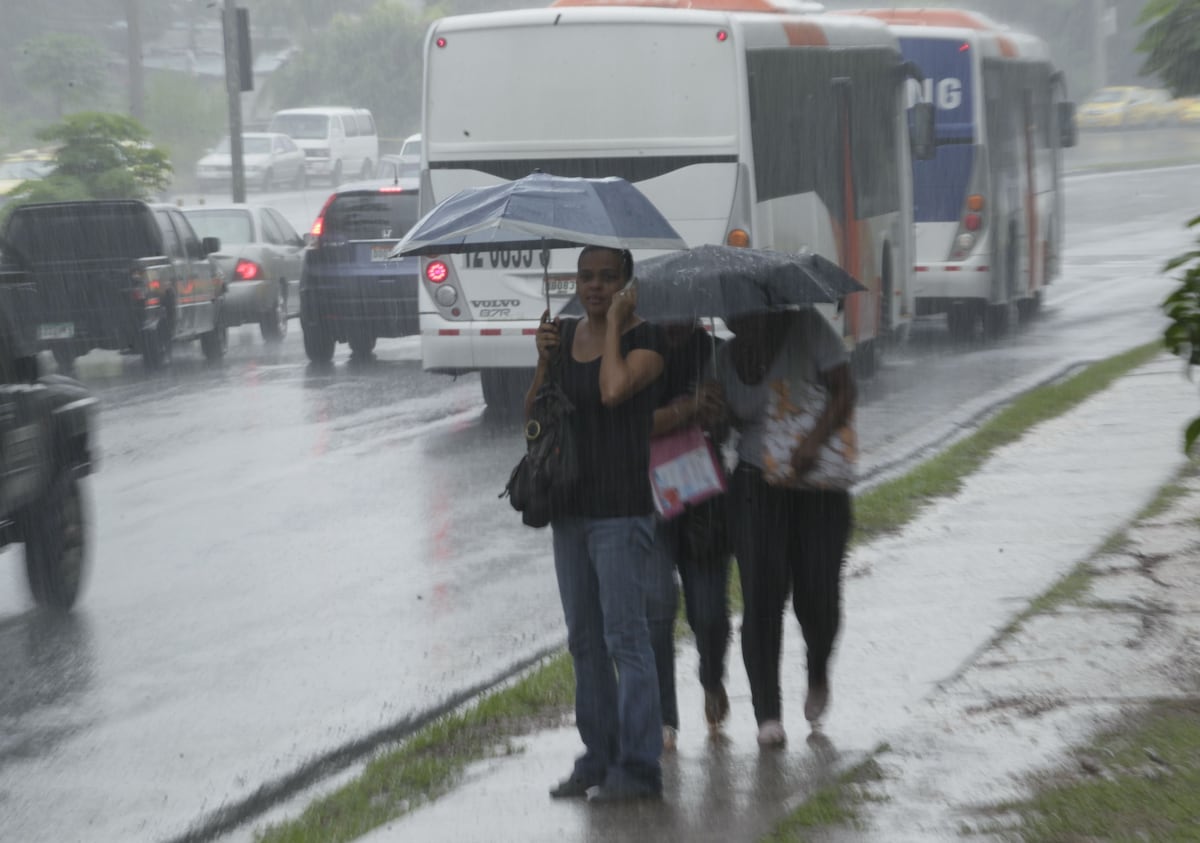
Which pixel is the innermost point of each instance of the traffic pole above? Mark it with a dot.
(233, 90)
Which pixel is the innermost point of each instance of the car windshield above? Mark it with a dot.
(230, 225)
(372, 215)
(301, 126)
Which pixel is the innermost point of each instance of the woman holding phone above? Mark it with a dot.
(603, 530)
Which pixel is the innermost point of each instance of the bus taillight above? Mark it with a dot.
(972, 222)
(738, 238)
(437, 272)
(975, 202)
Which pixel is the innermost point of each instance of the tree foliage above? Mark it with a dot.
(331, 68)
(185, 115)
(1172, 44)
(70, 68)
(98, 156)
(1182, 336)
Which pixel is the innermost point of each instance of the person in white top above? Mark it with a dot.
(787, 387)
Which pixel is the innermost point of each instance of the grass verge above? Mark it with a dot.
(431, 762)
(1137, 781)
(831, 805)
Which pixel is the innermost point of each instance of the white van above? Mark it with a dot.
(338, 142)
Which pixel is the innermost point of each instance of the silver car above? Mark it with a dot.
(270, 159)
(260, 257)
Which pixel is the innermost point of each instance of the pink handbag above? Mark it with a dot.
(684, 470)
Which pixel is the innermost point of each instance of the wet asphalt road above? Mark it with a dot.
(286, 561)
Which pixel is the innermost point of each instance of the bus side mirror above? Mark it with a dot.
(920, 128)
(1068, 134)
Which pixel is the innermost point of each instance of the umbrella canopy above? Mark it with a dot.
(542, 211)
(726, 282)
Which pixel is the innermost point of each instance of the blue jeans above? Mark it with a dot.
(602, 566)
(706, 602)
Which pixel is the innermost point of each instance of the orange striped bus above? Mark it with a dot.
(744, 122)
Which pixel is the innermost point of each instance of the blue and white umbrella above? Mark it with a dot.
(542, 211)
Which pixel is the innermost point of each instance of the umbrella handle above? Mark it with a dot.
(545, 256)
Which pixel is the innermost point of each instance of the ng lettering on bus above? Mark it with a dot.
(946, 94)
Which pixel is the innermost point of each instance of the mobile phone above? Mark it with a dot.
(631, 284)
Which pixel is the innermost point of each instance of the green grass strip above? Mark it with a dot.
(429, 764)
(1143, 784)
(432, 761)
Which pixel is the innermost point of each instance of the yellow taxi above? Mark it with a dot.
(23, 166)
(1108, 108)
(1187, 111)
(1151, 107)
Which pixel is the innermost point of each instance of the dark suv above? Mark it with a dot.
(46, 431)
(350, 290)
(117, 274)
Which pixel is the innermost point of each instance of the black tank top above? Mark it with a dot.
(613, 442)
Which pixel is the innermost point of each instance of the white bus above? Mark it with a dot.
(756, 128)
(989, 205)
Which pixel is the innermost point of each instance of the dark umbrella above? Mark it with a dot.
(725, 282)
(543, 212)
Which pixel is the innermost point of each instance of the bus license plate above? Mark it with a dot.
(56, 330)
(561, 286)
(380, 253)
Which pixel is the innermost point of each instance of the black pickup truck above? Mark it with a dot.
(46, 431)
(119, 274)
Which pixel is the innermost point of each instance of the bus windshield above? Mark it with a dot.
(539, 105)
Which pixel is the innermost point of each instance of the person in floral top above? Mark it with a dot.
(787, 387)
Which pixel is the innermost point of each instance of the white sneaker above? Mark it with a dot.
(771, 734)
(670, 738)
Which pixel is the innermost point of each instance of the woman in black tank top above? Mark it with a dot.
(603, 529)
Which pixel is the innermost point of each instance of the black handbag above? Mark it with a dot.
(550, 467)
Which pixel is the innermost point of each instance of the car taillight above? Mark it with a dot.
(318, 226)
(247, 270)
(146, 289)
